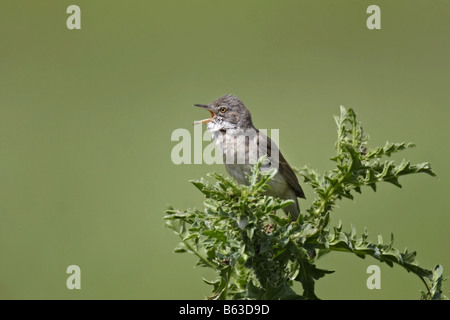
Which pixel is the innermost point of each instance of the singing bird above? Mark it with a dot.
(242, 144)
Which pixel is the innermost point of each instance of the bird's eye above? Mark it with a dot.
(222, 109)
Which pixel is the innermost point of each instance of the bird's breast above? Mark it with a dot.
(237, 146)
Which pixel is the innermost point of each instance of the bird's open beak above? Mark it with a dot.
(204, 106)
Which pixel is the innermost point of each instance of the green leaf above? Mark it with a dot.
(281, 292)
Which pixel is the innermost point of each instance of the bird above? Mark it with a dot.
(231, 127)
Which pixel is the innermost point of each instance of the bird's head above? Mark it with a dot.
(227, 112)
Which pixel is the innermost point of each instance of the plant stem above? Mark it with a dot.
(206, 261)
(331, 190)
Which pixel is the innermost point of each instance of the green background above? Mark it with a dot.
(86, 118)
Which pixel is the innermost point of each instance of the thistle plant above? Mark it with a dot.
(259, 254)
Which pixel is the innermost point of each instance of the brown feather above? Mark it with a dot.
(284, 168)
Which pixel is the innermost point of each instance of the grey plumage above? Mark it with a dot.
(242, 144)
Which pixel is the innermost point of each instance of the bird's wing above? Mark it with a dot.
(283, 167)
(289, 175)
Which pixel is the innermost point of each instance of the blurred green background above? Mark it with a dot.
(86, 118)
